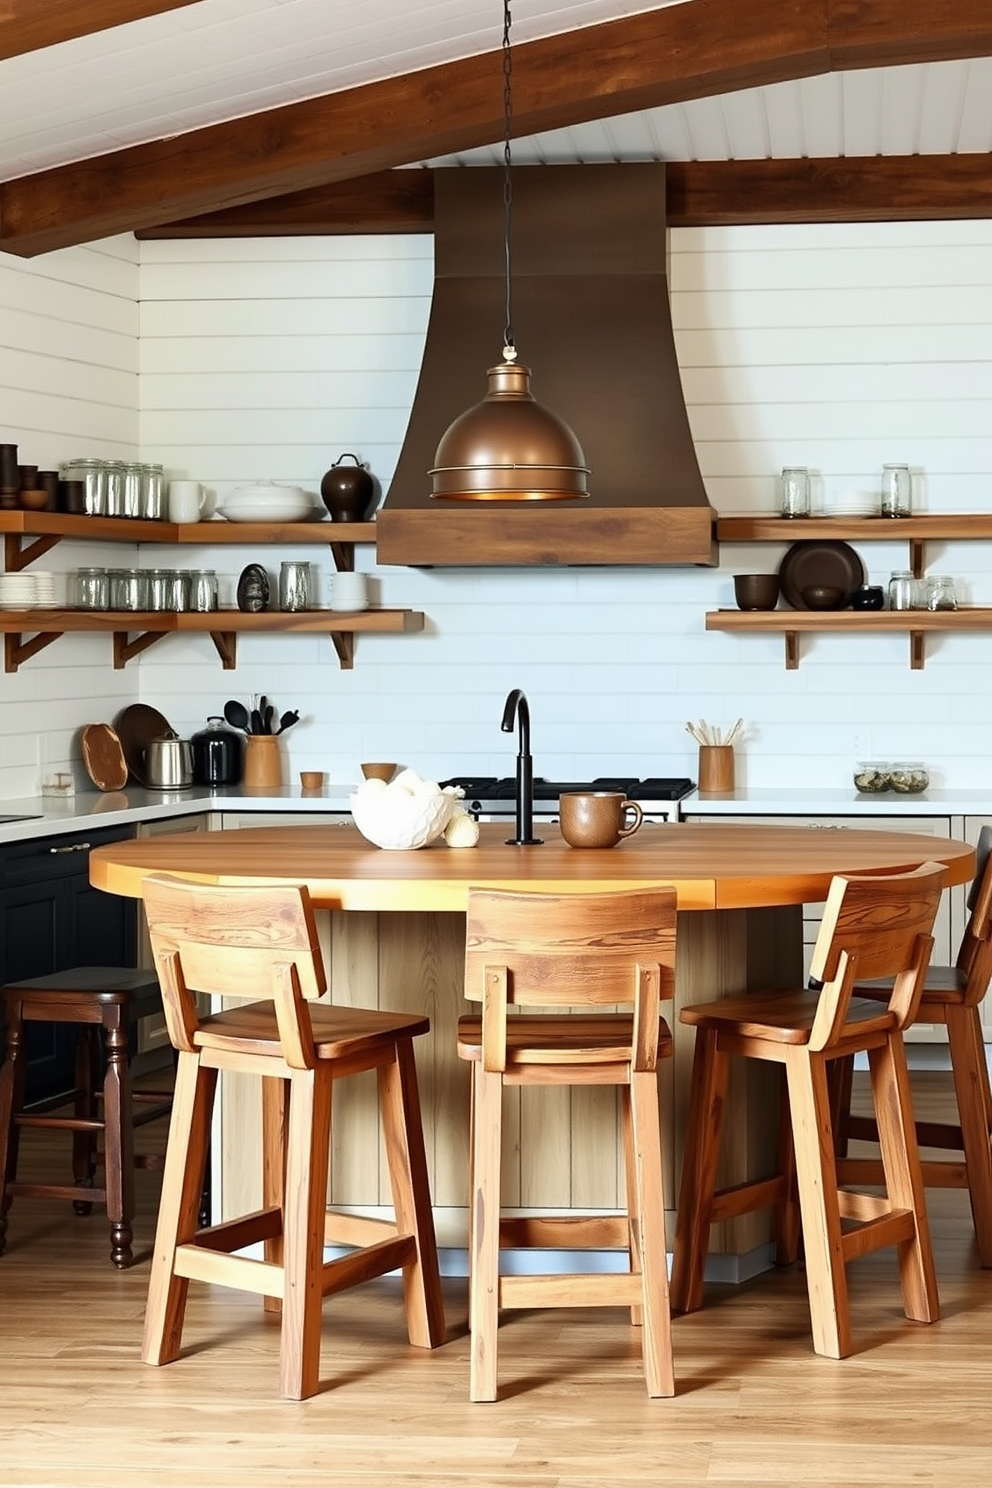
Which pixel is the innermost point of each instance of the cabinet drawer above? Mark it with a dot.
(60, 856)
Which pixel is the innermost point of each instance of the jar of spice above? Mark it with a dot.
(902, 590)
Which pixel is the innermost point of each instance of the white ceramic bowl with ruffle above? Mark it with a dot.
(398, 821)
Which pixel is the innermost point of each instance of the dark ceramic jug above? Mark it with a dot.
(348, 491)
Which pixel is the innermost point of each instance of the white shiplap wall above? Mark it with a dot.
(68, 387)
(839, 347)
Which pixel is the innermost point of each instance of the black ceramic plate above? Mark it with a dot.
(835, 564)
(136, 727)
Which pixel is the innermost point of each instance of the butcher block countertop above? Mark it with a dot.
(713, 866)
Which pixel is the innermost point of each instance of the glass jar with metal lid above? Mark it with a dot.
(128, 589)
(153, 492)
(90, 589)
(158, 588)
(93, 474)
(203, 589)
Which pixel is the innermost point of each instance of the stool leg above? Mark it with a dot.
(659, 1368)
(403, 1133)
(118, 1136)
(633, 1198)
(304, 1207)
(182, 1183)
(11, 1101)
(971, 1086)
(84, 1107)
(826, 1279)
(700, 1160)
(903, 1175)
(487, 1119)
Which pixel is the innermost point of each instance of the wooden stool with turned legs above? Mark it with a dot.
(952, 996)
(873, 926)
(559, 952)
(260, 946)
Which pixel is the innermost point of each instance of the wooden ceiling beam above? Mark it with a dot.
(701, 193)
(29, 25)
(640, 61)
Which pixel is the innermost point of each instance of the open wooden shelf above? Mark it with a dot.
(26, 632)
(916, 531)
(29, 535)
(794, 623)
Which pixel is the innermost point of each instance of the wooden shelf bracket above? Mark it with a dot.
(17, 554)
(226, 645)
(16, 651)
(125, 650)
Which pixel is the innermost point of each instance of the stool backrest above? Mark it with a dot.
(253, 944)
(570, 950)
(975, 953)
(874, 926)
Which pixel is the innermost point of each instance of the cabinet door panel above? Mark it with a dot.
(33, 943)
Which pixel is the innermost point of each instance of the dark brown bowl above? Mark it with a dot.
(756, 591)
(824, 597)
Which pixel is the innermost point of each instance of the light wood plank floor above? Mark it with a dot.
(754, 1405)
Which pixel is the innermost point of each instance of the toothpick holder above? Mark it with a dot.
(716, 769)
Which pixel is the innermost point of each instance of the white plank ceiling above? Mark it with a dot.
(224, 59)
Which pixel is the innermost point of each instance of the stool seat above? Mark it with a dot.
(88, 997)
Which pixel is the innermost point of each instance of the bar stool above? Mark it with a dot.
(952, 995)
(559, 951)
(872, 927)
(105, 998)
(260, 946)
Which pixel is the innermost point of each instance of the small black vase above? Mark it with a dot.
(348, 491)
(253, 589)
(868, 597)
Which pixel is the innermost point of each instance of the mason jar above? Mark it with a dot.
(177, 589)
(128, 589)
(93, 474)
(132, 499)
(90, 589)
(903, 590)
(158, 589)
(153, 492)
(114, 480)
(202, 589)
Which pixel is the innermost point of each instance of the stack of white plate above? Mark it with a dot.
(17, 591)
(45, 597)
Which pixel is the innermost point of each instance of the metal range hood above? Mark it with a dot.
(592, 321)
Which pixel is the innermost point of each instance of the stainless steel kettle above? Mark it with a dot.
(169, 763)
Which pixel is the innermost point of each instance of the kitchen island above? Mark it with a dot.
(394, 936)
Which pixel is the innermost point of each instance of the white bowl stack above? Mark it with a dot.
(268, 502)
(27, 591)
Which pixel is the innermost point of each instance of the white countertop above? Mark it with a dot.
(847, 801)
(46, 816)
(89, 809)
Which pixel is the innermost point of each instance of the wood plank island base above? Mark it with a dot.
(394, 936)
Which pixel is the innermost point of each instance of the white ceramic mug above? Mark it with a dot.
(349, 592)
(186, 501)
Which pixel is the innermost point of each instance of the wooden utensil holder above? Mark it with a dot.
(716, 769)
(263, 762)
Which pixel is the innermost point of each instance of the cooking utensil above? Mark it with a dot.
(267, 717)
(136, 726)
(256, 722)
(104, 757)
(811, 564)
(287, 720)
(237, 716)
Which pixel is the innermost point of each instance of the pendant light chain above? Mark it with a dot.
(509, 346)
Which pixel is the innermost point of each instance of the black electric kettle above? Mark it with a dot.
(218, 754)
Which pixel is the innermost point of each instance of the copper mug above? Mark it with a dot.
(597, 818)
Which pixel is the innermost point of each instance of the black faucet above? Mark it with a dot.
(516, 706)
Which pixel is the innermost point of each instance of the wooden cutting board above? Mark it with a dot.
(104, 757)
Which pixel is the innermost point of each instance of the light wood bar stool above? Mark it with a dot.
(952, 996)
(560, 951)
(104, 1000)
(261, 945)
(877, 926)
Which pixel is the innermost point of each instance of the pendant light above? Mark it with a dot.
(508, 447)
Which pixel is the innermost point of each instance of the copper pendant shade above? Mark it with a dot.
(509, 448)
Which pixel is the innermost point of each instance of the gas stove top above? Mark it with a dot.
(492, 796)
